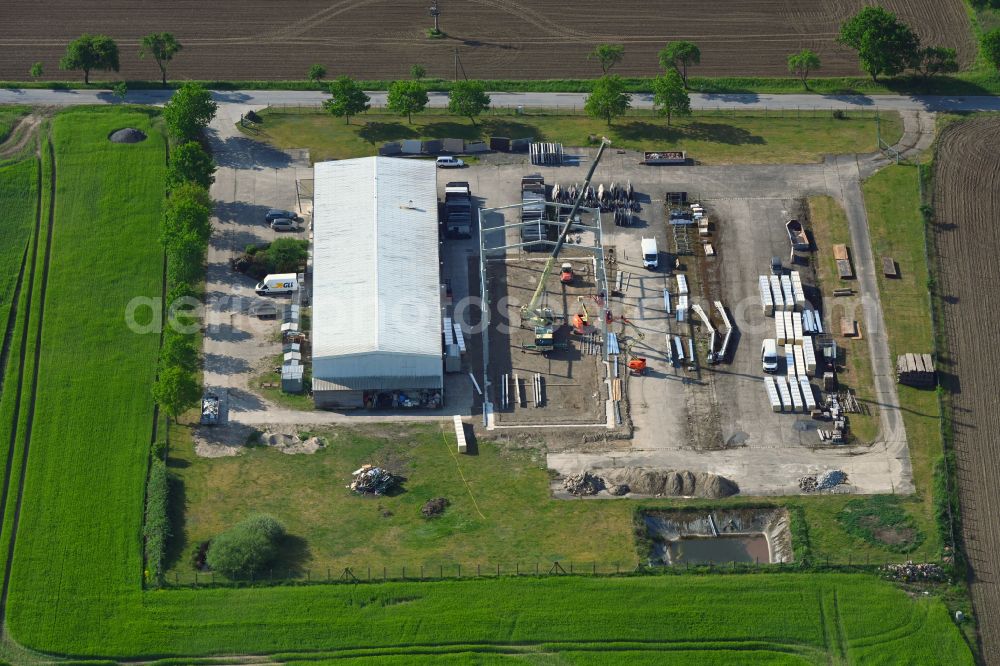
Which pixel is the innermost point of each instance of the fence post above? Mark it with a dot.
(404, 573)
(459, 569)
(498, 569)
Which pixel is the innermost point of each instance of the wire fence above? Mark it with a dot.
(719, 111)
(456, 571)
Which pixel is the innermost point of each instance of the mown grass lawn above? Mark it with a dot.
(892, 198)
(708, 137)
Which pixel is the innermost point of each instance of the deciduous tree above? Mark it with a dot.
(317, 73)
(469, 99)
(188, 210)
(176, 390)
(679, 56)
(802, 63)
(933, 60)
(608, 99)
(247, 548)
(417, 72)
(990, 46)
(406, 98)
(669, 96)
(189, 111)
(884, 44)
(90, 52)
(608, 55)
(346, 98)
(190, 163)
(36, 70)
(163, 47)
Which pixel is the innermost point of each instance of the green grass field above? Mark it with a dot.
(708, 137)
(9, 115)
(18, 189)
(76, 580)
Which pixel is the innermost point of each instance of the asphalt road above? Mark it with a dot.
(439, 99)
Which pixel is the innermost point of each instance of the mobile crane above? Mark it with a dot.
(534, 314)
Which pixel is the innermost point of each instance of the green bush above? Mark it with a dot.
(247, 548)
(881, 520)
(156, 530)
(284, 255)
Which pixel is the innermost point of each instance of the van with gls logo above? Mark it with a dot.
(279, 283)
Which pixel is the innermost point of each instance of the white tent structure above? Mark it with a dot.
(376, 294)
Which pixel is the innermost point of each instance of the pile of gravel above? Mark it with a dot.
(127, 135)
(671, 483)
(583, 484)
(434, 507)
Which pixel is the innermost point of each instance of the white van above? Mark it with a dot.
(650, 255)
(278, 283)
(769, 355)
(449, 162)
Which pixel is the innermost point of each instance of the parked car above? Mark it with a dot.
(284, 224)
(449, 162)
(278, 214)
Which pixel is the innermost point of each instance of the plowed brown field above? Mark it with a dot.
(527, 39)
(967, 201)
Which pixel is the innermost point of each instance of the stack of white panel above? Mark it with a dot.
(789, 327)
(797, 326)
(800, 363)
(679, 346)
(786, 292)
(808, 327)
(786, 396)
(796, 391)
(682, 284)
(682, 306)
(449, 333)
(807, 393)
(809, 356)
(779, 300)
(818, 320)
(779, 328)
(766, 300)
(459, 338)
(772, 393)
(797, 293)
(789, 359)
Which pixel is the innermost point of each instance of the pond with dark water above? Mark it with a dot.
(718, 550)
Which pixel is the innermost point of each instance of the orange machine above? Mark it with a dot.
(566, 273)
(637, 365)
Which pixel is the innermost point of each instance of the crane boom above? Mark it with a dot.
(530, 311)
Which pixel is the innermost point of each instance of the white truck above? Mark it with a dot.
(278, 283)
(650, 255)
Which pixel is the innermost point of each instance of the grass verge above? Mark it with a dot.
(708, 137)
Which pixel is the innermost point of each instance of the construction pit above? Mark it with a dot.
(722, 536)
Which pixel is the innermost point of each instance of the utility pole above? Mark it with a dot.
(456, 63)
(436, 13)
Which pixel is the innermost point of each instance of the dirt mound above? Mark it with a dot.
(291, 443)
(671, 483)
(434, 507)
(583, 484)
(127, 135)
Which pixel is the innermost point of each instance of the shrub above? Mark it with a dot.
(156, 530)
(247, 548)
(881, 520)
(284, 255)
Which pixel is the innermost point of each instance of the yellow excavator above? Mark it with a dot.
(533, 314)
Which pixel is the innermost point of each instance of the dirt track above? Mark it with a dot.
(967, 196)
(263, 39)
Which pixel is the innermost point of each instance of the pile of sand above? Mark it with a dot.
(670, 483)
(291, 443)
(127, 135)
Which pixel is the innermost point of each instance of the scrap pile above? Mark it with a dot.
(825, 481)
(371, 480)
(909, 572)
(583, 484)
(835, 411)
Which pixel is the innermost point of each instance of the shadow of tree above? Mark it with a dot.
(377, 132)
(700, 131)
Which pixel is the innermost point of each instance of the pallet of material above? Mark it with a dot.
(789, 327)
(779, 328)
(809, 356)
(786, 293)
(797, 326)
(844, 270)
(807, 393)
(463, 446)
(777, 297)
(783, 392)
(789, 359)
(889, 267)
(840, 252)
(772, 393)
(678, 348)
(682, 285)
(848, 328)
(766, 300)
(797, 292)
(795, 389)
(800, 362)
(916, 370)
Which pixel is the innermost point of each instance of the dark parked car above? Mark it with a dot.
(277, 214)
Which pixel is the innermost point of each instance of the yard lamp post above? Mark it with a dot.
(436, 13)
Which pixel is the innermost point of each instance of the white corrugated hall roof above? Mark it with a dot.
(376, 285)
